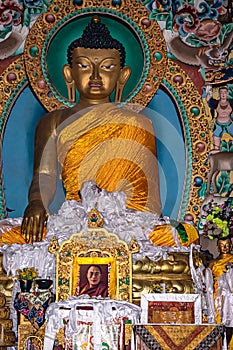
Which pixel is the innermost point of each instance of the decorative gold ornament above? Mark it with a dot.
(27, 332)
(134, 246)
(94, 218)
(97, 246)
(53, 245)
(191, 108)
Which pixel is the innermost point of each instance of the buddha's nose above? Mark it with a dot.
(95, 73)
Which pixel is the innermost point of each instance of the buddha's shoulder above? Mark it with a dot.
(136, 117)
(54, 118)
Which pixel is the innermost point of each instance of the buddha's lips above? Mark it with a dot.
(95, 84)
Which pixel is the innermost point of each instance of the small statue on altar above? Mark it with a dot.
(219, 265)
(221, 268)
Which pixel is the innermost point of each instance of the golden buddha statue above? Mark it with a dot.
(93, 133)
(218, 266)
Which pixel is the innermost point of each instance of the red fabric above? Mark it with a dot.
(101, 289)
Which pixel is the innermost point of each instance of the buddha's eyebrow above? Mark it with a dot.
(109, 58)
(82, 57)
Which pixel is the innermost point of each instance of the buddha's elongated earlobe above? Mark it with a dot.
(70, 84)
(71, 90)
(123, 78)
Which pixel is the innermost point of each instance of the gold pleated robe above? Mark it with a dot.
(115, 148)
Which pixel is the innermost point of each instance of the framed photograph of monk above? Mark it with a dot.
(95, 277)
(171, 308)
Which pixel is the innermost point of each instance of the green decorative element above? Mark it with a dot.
(127, 321)
(202, 191)
(18, 67)
(119, 253)
(169, 22)
(227, 146)
(158, 15)
(105, 346)
(48, 2)
(66, 30)
(155, 79)
(202, 134)
(162, 16)
(127, 281)
(195, 111)
(27, 18)
(5, 31)
(195, 208)
(225, 31)
(34, 51)
(34, 74)
(184, 116)
(224, 183)
(63, 282)
(68, 254)
(194, 41)
(182, 233)
(158, 56)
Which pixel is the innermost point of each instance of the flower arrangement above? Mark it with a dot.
(219, 219)
(26, 274)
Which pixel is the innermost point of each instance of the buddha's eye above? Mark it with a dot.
(81, 65)
(110, 66)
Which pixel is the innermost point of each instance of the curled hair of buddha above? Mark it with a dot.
(224, 238)
(96, 36)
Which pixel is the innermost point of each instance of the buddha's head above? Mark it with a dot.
(224, 245)
(96, 65)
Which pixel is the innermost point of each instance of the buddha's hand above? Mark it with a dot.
(34, 221)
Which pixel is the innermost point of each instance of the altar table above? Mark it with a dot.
(179, 337)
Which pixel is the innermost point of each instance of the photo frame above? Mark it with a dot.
(171, 308)
(108, 275)
(97, 246)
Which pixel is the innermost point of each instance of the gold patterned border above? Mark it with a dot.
(94, 245)
(195, 119)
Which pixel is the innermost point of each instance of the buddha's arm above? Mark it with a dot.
(43, 184)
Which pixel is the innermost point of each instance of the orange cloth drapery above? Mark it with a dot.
(162, 235)
(115, 148)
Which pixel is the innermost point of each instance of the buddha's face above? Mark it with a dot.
(224, 246)
(95, 72)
